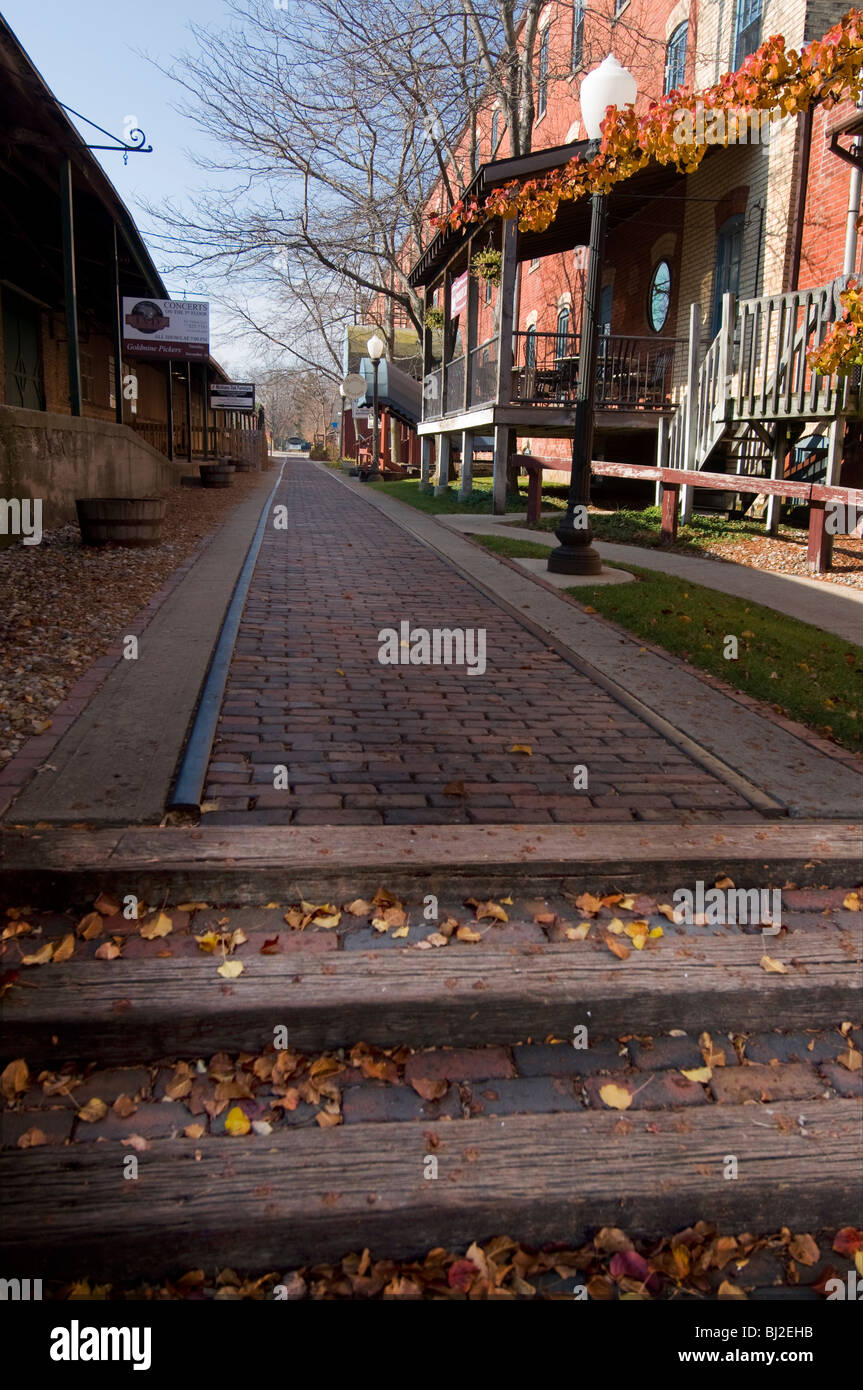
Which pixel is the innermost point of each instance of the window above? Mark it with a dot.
(659, 296)
(620, 5)
(729, 253)
(675, 58)
(562, 340)
(534, 264)
(86, 368)
(542, 82)
(489, 288)
(495, 132)
(530, 346)
(747, 29)
(577, 33)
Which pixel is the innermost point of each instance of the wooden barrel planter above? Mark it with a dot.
(121, 520)
(216, 474)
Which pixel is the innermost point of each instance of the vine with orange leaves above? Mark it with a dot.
(827, 71)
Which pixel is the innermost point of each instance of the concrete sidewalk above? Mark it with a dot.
(792, 772)
(116, 763)
(824, 606)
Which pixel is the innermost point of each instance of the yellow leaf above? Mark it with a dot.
(656, 932)
(192, 907)
(851, 1060)
(107, 951)
(507, 901)
(328, 919)
(66, 948)
(435, 939)
(208, 942)
(230, 969)
(727, 1290)
(627, 904)
(490, 909)
(90, 926)
(522, 748)
(40, 957)
(852, 902)
(725, 882)
(237, 1121)
(698, 1073)
(616, 1097)
(94, 1110)
(466, 934)
(401, 931)
(578, 933)
(773, 967)
(15, 1079)
(161, 925)
(359, 908)
(616, 926)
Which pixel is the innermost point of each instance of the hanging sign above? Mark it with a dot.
(166, 328)
(232, 395)
(458, 295)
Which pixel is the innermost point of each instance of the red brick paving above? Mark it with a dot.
(369, 744)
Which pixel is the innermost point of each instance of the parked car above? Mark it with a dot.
(295, 445)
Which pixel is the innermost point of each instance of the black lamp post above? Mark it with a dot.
(608, 85)
(375, 348)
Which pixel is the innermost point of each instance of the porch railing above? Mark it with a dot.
(632, 373)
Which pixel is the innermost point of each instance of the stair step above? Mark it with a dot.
(142, 1010)
(298, 1196)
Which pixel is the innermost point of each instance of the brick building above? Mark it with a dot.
(736, 225)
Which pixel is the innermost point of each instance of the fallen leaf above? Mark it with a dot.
(773, 967)
(578, 933)
(428, 1089)
(107, 906)
(137, 1142)
(94, 1110)
(467, 934)
(15, 1079)
(237, 1121)
(32, 1138)
(697, 1073)
(617, 948)
(359, 908)
(65, 949)
(230, 969)
(193, 907)
(727, 1290)
(522, 748)
(124, 1106)
(161, 925)
(804, 1250)
(208, 942)
(615, 1097)
(490, 909)
(90, 926)
(107, 951)
(327, 1119)
(194, 1131)
(588, 904)
(851, 1060)
(435, 939)
(40, 957)
(852, 902)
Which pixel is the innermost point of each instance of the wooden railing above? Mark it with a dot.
(772, 341)
(632, 372)
(246, 444)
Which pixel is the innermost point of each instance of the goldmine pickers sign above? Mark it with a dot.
(166, 328)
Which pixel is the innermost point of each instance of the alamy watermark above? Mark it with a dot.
(22, 517)
(716, 906)
(437, 646)
(716, 126)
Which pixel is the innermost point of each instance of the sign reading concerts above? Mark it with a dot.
(232, 395)
(166, 328)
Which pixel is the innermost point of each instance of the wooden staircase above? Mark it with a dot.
(753, 396)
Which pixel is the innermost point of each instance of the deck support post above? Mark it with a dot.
(425, 462)
(661, 455)
(504, 443)
(819, 552)
(443, 462)
(777, 470)
(466, 485)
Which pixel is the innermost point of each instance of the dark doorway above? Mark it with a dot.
(22, 350)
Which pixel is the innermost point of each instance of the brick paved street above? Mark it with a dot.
(366, 743)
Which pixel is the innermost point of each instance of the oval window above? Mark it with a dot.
(659, 296)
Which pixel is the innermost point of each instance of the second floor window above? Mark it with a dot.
(561, 346)
(542, 81)
(495, 131)
(675, 58)
(577, 34)
(747, 29)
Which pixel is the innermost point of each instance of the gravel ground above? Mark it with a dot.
(64, 603)
(783, 555)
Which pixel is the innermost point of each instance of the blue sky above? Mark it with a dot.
(87, 51)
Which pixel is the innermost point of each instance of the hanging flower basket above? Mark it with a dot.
(434, 319)
(487, 265)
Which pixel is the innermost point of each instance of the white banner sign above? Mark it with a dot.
(232, 395)
(166, 328)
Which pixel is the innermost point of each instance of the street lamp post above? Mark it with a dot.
(375, 348)
(608, 85)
